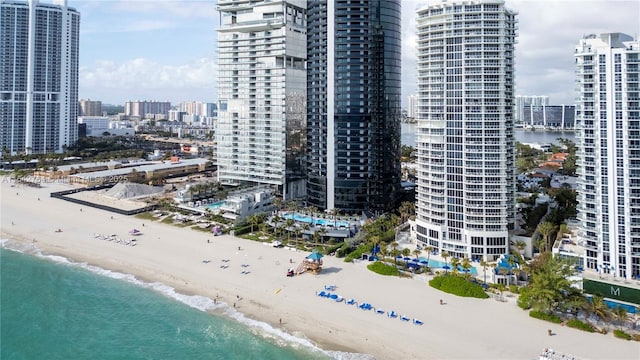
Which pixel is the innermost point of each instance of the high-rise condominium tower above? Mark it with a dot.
(90, 108)
(353, 104)
(39, 76)
(262, 92)
(608, 125)
(466, 183)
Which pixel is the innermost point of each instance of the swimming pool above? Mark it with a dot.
(309, 220)
(435, 264)
(215, 205)
(614, 304)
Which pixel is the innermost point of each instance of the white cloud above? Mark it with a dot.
(142, 78)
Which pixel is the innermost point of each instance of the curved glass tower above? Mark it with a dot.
(353, 104)
(466, 183)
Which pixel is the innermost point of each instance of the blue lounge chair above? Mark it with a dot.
(351, 302)
(333, 296)
(321, 293)
(338, 298)
(380, 311)
(392, 314)
(417, 322)
(404, 318)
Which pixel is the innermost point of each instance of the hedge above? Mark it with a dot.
(621, 334)
(545, 316)
(458, 285)
(577, 324)
(381, 268)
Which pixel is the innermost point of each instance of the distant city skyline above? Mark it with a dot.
(166, 50)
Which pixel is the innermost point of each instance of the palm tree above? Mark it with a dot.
(521, 245)
(429, 250)
(335, 212)
(466, 265)
(598, 308)
(406, 252)
(621, 315)
(417, 253)
(445, 255)
(546, 229)
(289, 223)
(384, 251)
(454, 264)
(395, 252)
(504, 272)
(484, 265)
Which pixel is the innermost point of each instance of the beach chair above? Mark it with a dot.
(417, 322)
(339, 298)
(351, 302)
(321, 293)
(379, 311)
(392, 314)
(404, 318)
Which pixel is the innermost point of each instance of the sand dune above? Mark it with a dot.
(461, 329)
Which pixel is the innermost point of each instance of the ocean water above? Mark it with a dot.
(51, 308)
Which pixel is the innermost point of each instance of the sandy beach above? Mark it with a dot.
(190, 261)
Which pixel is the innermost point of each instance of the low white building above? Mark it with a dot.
(243, 203)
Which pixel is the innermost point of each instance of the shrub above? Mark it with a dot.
(635, 337)
(621, 334)
(577, 324)
(458, 285)
(381, 268)
(524, 300)
(545, 316)
(357, 253)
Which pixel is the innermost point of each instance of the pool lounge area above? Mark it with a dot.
(435, 264)
(316, 221)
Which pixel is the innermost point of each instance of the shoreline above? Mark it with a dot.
(174, 256)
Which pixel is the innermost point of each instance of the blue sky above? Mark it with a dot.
(166, 50)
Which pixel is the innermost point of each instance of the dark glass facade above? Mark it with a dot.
(358, 168)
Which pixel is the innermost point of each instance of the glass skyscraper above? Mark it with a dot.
(465, 201)
(260, 138)
(353, 104)
(38, 76)
(608, 156)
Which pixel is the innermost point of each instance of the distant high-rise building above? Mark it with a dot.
(549, 116)
(608, 129)
(527, 100)
(412, 106)
(465, 201)
(354, 104)
(147, 108)
(262, 53)
(39, 76)
(90, 108)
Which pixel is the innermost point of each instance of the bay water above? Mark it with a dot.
(51, 308)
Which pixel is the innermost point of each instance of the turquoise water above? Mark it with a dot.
(52, 309)
(215, 205)
(309, 220)
(435, 264)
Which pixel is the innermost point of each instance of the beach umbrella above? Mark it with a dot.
(424, 262)
(407, 258)
(446, 267)
(315, 256)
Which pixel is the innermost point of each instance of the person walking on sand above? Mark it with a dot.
(280, 322)
(549, 332)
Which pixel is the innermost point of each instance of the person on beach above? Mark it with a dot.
(441, 302)
(280, 322)
(549, 332)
